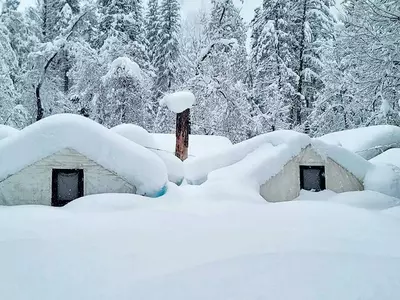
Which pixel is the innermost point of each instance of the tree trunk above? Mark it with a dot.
(182, 134)
(39, 106)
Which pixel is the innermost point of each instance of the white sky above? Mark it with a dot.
(247, 8)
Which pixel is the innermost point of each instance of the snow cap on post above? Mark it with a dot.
(179, 101)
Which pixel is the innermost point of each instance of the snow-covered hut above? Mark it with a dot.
(6, 131)
(141, 136)
(281, 164)
(63, 157)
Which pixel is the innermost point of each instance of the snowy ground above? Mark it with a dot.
(210, 242)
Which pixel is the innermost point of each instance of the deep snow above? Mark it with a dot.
(198, 243)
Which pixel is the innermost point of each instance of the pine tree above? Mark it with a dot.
(8, 72)
(121, 30)
(20, 36)
(166, 57)
(316, 28)
(274, 58)
(152, 28)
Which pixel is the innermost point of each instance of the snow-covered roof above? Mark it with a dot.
(142, 137)
(139, 166)
(250, 158)
(199, 145)
(391, 156)
(6, 131)
(367, 142)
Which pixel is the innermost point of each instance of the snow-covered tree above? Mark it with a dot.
(152, 28)
(121, 30)
(166, 56)
(121, 98)
(18, 39)
(220, 72)
(372, 37)
(274, 61)
(316, 29)
(8, 69)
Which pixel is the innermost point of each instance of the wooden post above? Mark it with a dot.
(182, 134)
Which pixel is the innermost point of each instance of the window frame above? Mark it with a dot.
(322, 176)
(54, 185)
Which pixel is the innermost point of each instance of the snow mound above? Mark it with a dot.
(250, 158)
(179, 101)
(136, 134)
(108, 203)
(6, 131)
(321, 250)
(390, 157)
(315, 196)
(384, 179)
(393, 211)
(367, 142)
(197, 169)
(141, 136)
(125, 66)
(366, 199)
(134, 163)
(199, 145)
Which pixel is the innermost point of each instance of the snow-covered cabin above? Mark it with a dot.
(6, 131)
(142, 137)
(64, 157)
(367, 142)
(281, 164)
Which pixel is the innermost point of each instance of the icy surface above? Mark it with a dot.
(391, 156)
(179, 101)
(136, 164)
(198, 243)
(199, 145)
(6, 131)
(142, 137)
(367, 142)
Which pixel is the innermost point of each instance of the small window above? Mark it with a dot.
(312, 178)
(67, 186)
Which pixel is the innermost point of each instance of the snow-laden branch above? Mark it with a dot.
(48, 63)
(208, 50)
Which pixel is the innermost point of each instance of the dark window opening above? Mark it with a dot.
(67, 185)
(312, 178)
